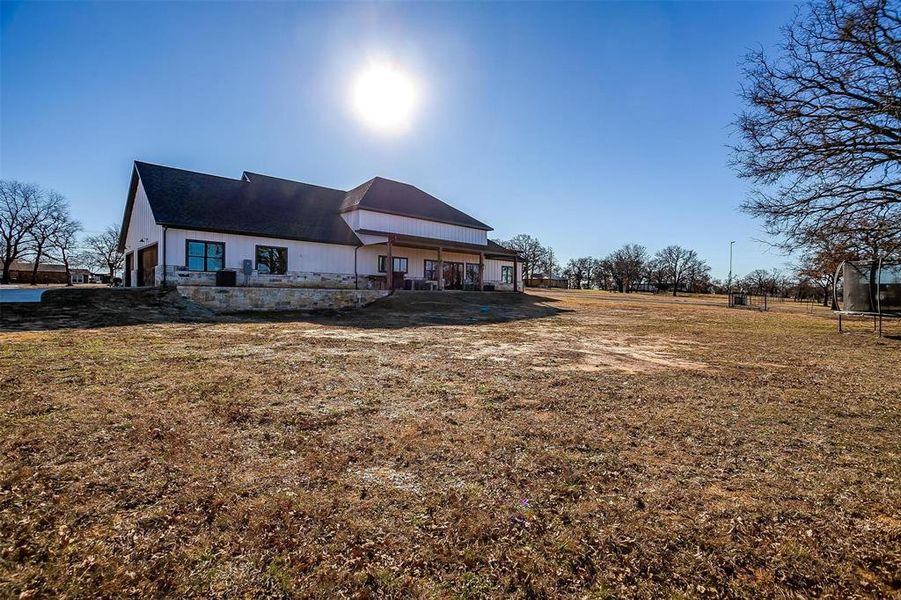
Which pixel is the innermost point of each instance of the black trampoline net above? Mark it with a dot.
(868, 287)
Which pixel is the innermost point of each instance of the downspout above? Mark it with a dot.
(165, 230)
(356, 276)
(515, 275)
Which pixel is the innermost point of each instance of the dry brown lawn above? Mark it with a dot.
(583, 444)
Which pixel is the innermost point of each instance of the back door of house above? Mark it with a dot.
(146, 264)
(453, 275)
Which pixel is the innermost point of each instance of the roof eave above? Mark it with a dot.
(129, 206)
(271, 236)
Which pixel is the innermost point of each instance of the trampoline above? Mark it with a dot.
(868, 289)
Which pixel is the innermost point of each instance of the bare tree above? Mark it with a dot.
(52, 213)
(599, 274)
(761, 281)
(547, 263)
(63, 243)
(697, 275)
(103, 250)
(626, 265)
(578, 270)
(655, 274)
(18, 215)
(673, 261)
(536, 258)
(822, 132)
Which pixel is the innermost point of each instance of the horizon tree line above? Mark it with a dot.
(674, 269)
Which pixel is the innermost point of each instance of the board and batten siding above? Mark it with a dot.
(142, 228)
(143, 231)
(309, 257)
(377, 221)
(493, 270)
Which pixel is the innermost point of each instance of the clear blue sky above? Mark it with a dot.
(588, 124)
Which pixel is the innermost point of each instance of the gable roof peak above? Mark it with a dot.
(381, 194)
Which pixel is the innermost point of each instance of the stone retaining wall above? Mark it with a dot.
(292, 279)
(237, 299)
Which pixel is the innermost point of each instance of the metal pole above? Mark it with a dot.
(729, 284)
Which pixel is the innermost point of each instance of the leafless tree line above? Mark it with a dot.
(627, 269)
(36, 225)
(632, 268)
(795, 284)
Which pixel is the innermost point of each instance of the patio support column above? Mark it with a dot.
(440, 270)
(481, 271)
(389, 266)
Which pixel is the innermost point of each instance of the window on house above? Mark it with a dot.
(205, 256)
(431, 270)
(400, 264)
(506, 274)
(272, 259)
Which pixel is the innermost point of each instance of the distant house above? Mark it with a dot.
(48, 273)
(192, 229)
(544, 281)
(80, 276)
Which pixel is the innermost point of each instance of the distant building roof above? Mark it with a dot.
(42, 267)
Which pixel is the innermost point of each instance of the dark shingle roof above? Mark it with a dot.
(396, 198)
(256, 205)
(273, 207)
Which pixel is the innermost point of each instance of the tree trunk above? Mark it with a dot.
(68, 273)
(7, 263)
(37, 264)
(5, 278)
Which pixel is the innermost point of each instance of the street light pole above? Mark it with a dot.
(732, 243)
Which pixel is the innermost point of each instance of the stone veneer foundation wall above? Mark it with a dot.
(237, 299)
(292, 279)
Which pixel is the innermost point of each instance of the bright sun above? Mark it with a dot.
(385, 98)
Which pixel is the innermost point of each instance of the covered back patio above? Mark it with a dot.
(419, 263)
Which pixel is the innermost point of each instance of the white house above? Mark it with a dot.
(191, 229)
